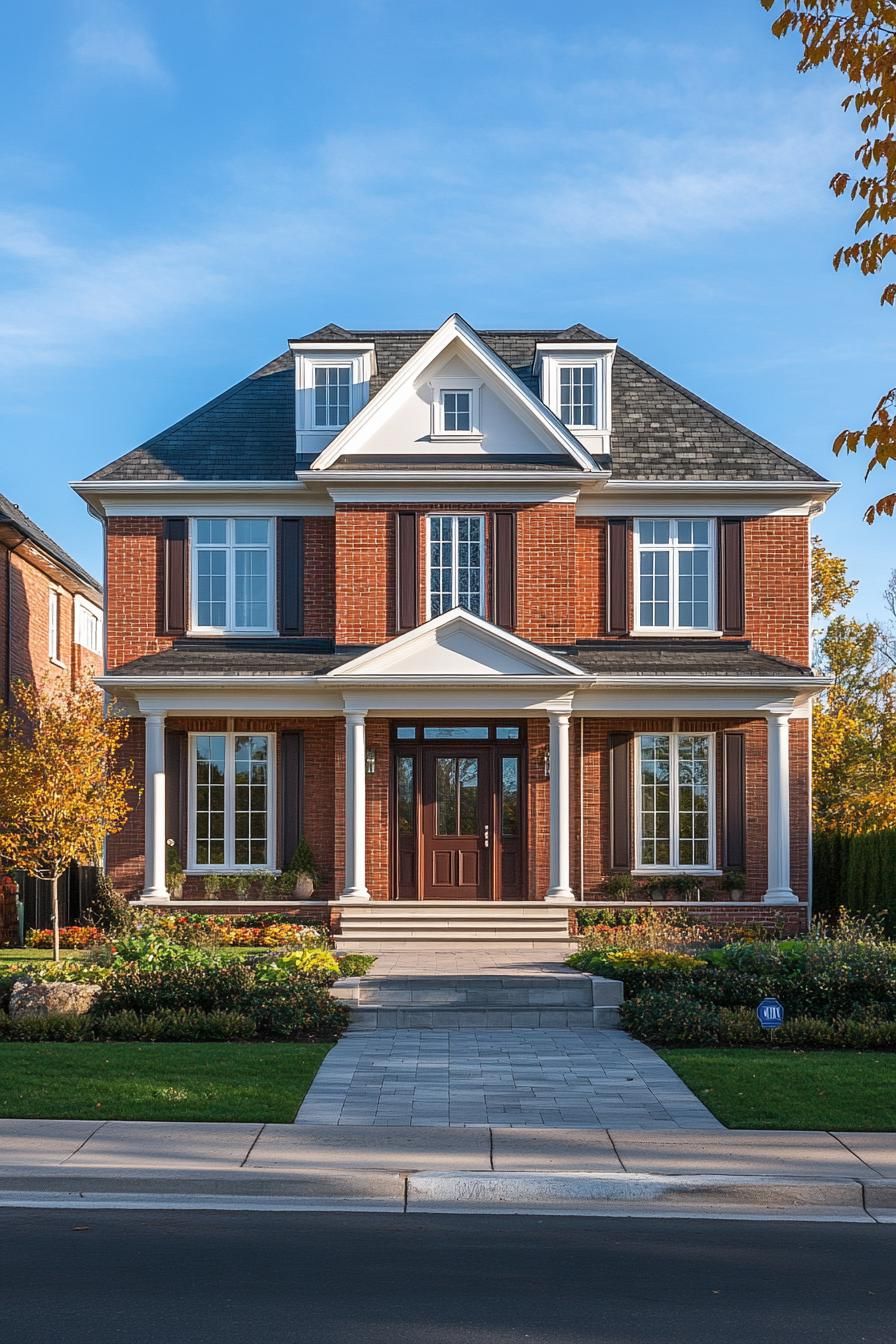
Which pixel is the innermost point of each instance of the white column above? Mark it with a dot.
(154, 802)
(559, 889)
(355, 808)
(779, 890)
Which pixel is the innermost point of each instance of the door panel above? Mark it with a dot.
(456, 810)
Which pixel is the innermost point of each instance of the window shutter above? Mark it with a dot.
(177, 803)
(734, 785)
(504, 569)
(620, 801)
(176, 552)
(290, 777)
(618, 582)
(731, 575)
(405, 571)
(291, 575)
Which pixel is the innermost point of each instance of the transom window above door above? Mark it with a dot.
(455, 563)
(233, 573)
(674, 574)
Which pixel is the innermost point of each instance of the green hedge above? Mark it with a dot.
(674, 1018)
(855, 871)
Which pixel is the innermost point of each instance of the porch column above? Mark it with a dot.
(559, 889)
(355, 808)
(154, 804)
(779, 890)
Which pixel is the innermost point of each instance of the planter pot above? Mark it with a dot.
(735, 895)
(304, 888)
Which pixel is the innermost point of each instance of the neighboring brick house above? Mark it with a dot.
(486, 616)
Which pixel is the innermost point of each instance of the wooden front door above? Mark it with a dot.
(456, 823)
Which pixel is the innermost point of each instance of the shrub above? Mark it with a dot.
(56, 1027)
(641, 969)
(670, 1017)
(303, 862)
(355, 963)
(109, 909)
(152, 951)
(180, 1024)
(669, 930)
(205, 985)
(309, 963)
(73, 936)
(296, 1008)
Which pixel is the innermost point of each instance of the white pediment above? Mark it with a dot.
(456, 644)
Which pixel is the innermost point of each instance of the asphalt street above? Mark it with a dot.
(187, 1277)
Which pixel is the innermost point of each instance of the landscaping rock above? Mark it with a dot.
(34, 998)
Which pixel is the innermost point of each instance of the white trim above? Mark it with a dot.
(229, 548)
(84, 605)
(454, 328)
(454, 518)
(674, 548)
(463, 490)
(325, 365)
(646, 869)
(471, 388)
(229, 802)
(54, 624)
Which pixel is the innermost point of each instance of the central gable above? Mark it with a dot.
(456, 644)
(416, 417)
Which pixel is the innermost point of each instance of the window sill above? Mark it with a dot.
(232, 634)
(57, 662)
(676, 872)
(461, 436)
(230, 872)
(653, 631)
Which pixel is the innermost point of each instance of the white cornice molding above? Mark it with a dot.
(149, 499)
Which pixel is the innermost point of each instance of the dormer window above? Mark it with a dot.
(457, 410)
(577, 399)
(332, 395)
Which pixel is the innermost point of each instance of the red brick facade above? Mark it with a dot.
(25, 587)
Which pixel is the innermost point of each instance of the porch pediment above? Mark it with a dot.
(457, 644)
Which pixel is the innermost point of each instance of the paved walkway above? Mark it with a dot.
(563, 1079)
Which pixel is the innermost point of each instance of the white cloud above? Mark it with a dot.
(111, 42)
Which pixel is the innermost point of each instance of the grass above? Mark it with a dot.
(782, 1089)
(159, 1081)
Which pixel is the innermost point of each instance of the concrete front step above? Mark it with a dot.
(520, 923)
(474, 991)
(366, 1017)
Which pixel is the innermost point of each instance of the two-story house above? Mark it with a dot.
(487, 616)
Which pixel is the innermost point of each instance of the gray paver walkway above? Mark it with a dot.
(562, 1079)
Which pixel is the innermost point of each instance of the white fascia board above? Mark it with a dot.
(618, 498)
(361, 426)
(156, 499)
(572, 348)
(473, 493)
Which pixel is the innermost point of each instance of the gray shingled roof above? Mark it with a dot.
(12, 516)
(661, 431)
(284, 657)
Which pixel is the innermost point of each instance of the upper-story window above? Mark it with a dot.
(577, 395)
(457, 410)
(332, 395)
(53, 625)
(674, 572)
(233, 572)
(88, 626)
(455, 563)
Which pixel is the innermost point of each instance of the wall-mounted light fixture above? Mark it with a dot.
(547, 762)
(370, 760)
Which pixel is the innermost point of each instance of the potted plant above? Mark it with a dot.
(174, 871)
(620, 886)
(305, 870)
(211, 885)
(734, 882)
(685, 887)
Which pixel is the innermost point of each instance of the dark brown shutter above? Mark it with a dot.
(731, 575)
(176, 799)
(291, 575)
(504, 569)
(734, 784)
(290, 775)
(176, 548)
(618, 530)
(620, 800)
(405, 571)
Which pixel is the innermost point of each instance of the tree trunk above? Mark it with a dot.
(55, 916)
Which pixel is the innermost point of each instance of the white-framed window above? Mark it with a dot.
(578, 398)
(455, 563)
(88, 626)
(232, 574)
(675, 800)
(457, 410)
(53, 625)
(231, 824)
(332, 395)
(674, 574)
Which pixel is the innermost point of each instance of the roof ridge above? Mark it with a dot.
(36, 534)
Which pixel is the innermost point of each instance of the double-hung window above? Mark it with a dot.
(455, 563)
(674, 574)
(674, 800)
(577, 394)
(53, 625)
(232, 574)
(332, 395)
(88, 626)
(231, 808)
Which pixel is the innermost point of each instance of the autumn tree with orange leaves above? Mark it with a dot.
(62, 790)
(858, 38)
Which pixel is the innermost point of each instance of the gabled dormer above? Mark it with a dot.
(333, 373)
(574, 374)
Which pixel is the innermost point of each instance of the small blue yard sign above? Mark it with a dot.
(770, 1013)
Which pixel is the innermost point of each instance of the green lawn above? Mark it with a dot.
(34, 954)
(159, 1081)
(782, 1089)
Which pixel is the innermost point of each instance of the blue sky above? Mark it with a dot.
(184, 186)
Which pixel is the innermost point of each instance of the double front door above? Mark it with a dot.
(459, 818)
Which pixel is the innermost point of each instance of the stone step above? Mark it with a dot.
(368, 1017)
(472, 992)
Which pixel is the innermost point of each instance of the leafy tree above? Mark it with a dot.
(854, 723)
(858, 38)
(62, 790)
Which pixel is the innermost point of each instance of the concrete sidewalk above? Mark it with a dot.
(750, 1173)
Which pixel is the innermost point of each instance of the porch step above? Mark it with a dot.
(523, 923)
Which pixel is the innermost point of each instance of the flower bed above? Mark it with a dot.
(73, 936)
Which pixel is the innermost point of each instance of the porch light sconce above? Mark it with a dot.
(370, 761)
(547, 762)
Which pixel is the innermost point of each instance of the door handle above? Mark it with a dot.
(485, 838)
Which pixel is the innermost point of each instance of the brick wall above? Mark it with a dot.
(25, 626)
(135, 586)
